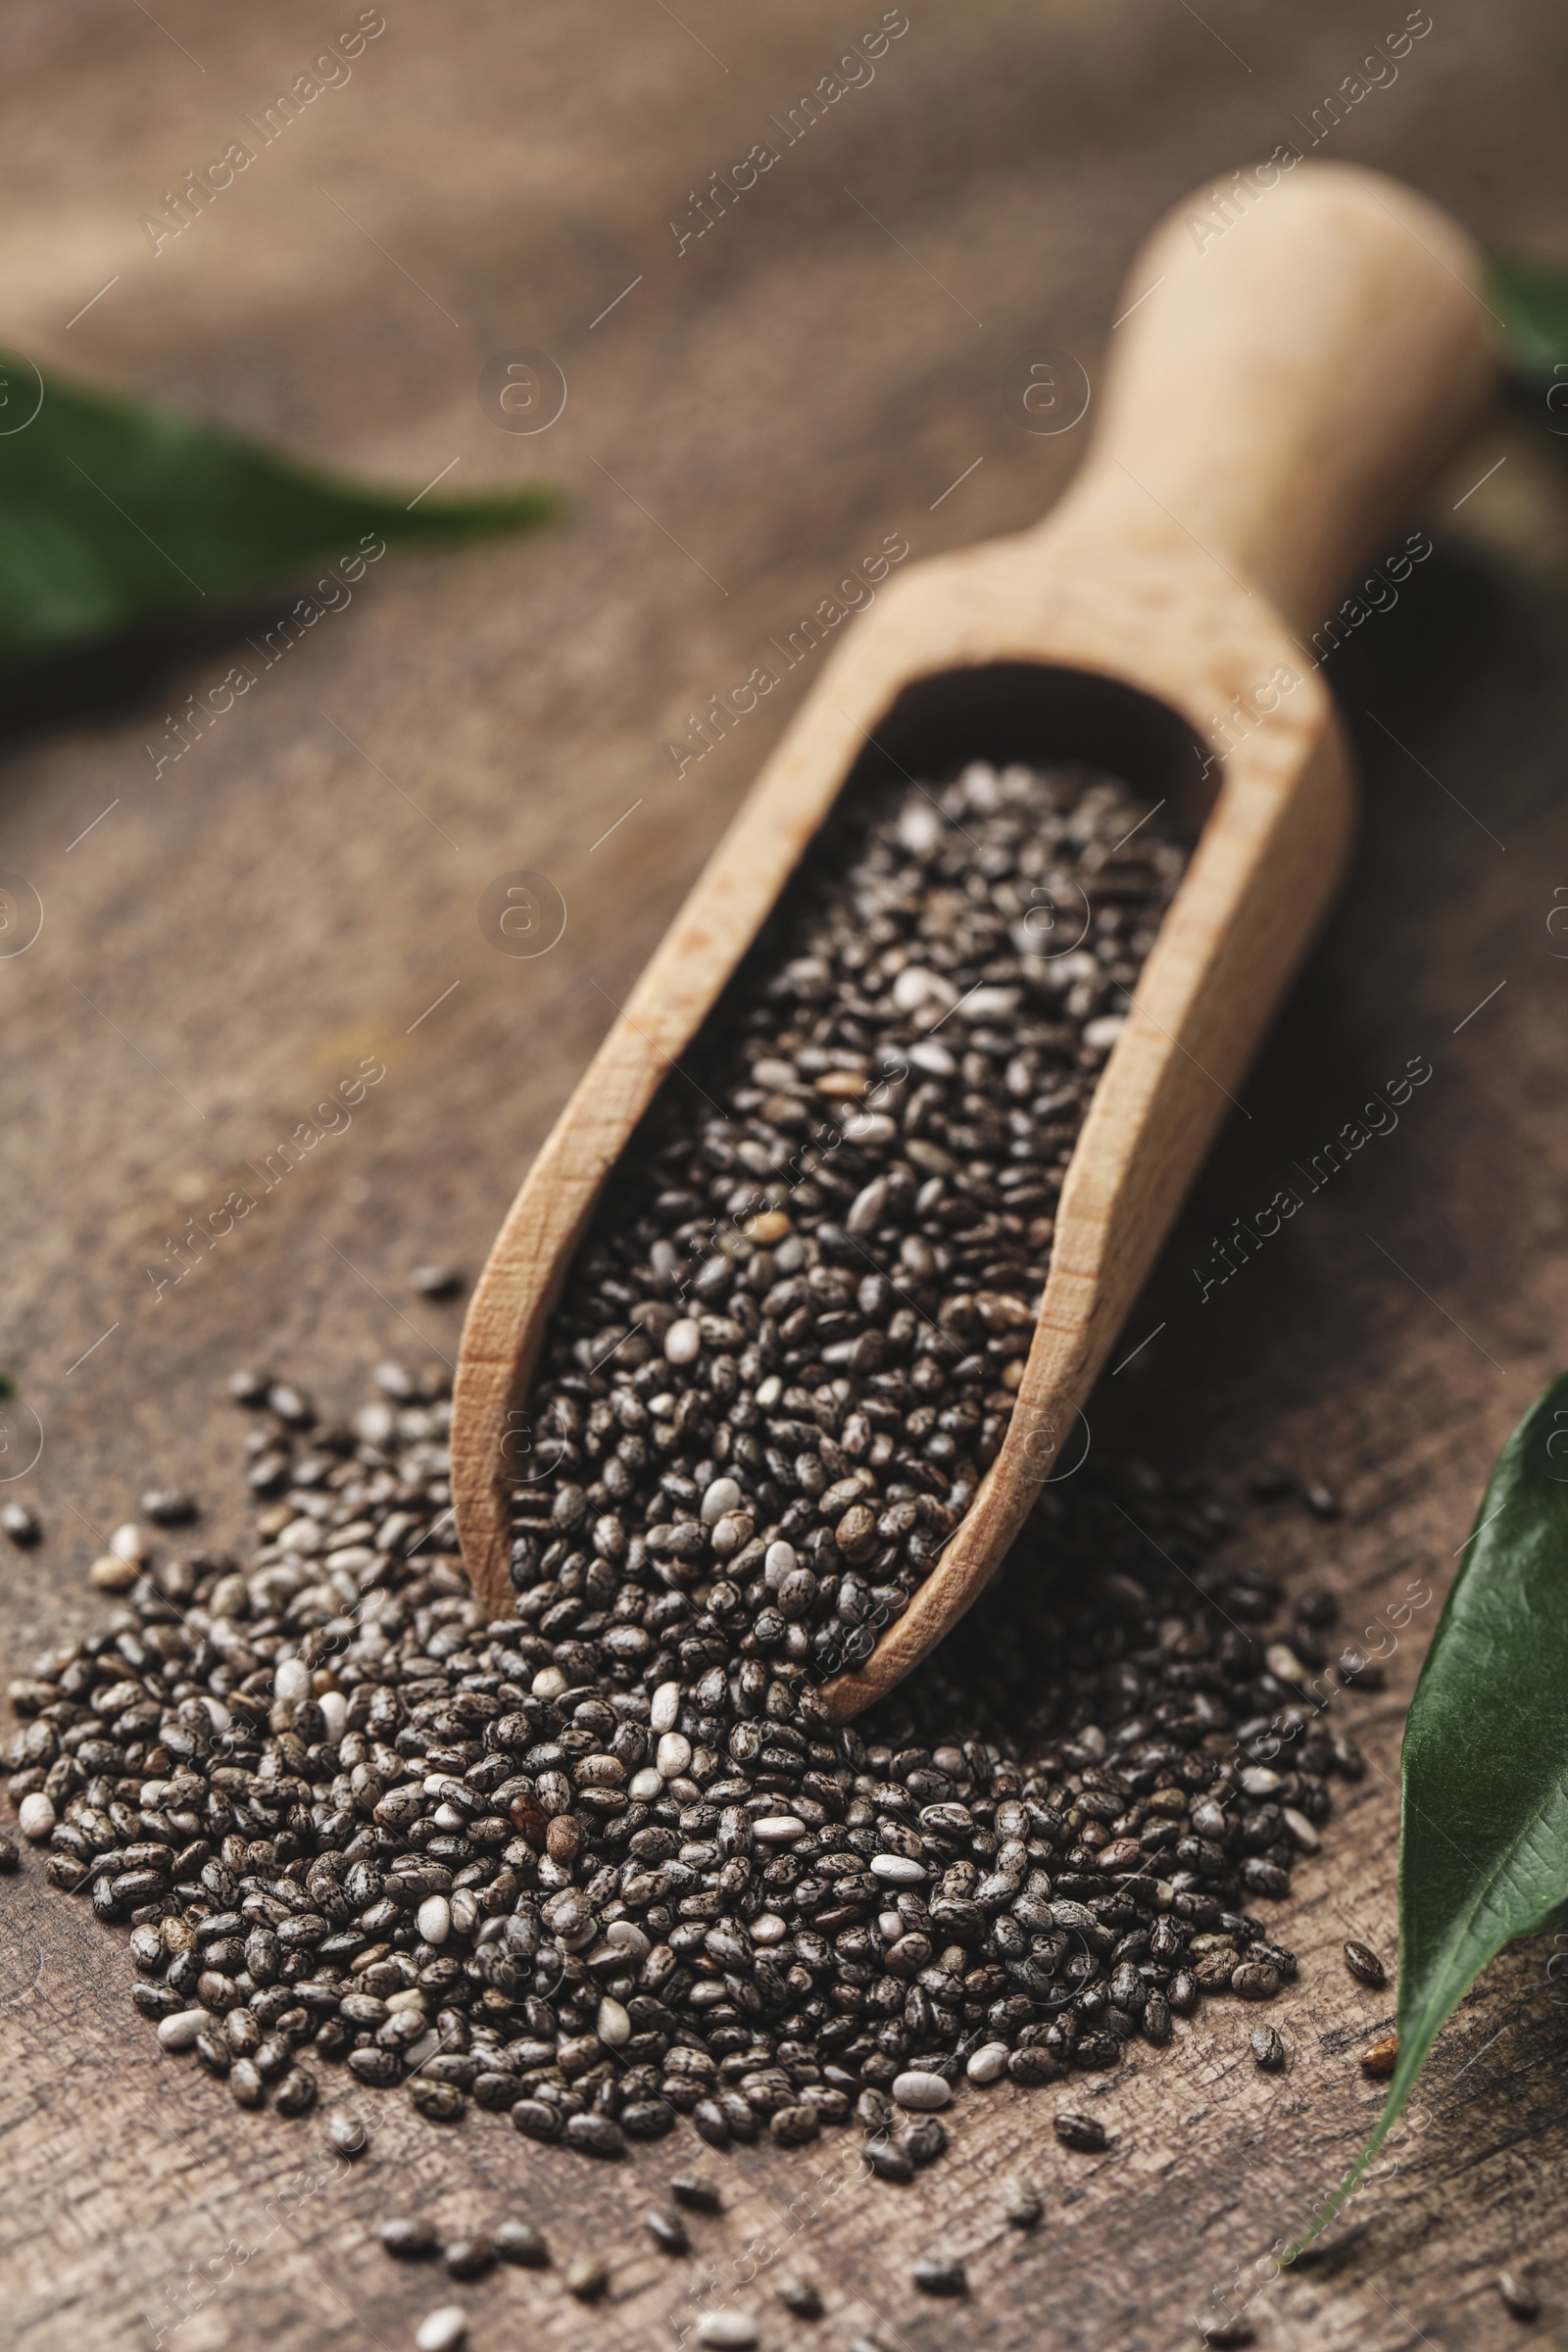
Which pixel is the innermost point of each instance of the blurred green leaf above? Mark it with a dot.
(1534, 305)
(112, 511)
(1484, 1831)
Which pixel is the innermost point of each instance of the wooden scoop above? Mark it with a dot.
(1275, 396)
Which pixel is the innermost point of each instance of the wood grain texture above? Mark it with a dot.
(1277, 403)
(271, 909)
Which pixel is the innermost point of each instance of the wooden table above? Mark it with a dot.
(748, 412)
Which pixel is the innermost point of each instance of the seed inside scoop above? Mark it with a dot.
(792, 1344)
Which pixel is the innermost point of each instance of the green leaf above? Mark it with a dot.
(112, 512)
(1484, 1834)
(1534, 305)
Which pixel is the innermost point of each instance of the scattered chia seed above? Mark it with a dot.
(521, 2243)
(346, 2132)
(939, 2274)
(1366, 1966)
(410, 2240)
(111, 1574)
(435, 1282)
(1081, 2132)
(469, 2257)
(168, 1506)
(800, 2295)
(586, 2277)
(1021, 2204)
(603, 1862)
(697, 2193)
(1268, 2051)
(20, 1524)
(442, 2330)
(667, 2231)
(1519, 2295)
(727, 2332)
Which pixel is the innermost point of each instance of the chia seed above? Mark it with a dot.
(586, 2277)
(1083, 2132)
(469, 2257)
(939, 2274)
(1268, 2051)
(1366, 1966)
(698, 2194)
(443, 2330)
(801, 2295)
(667, 2231)
(410, 2240)
(521, 2243)
(1518, 2295)
(1021, 2204)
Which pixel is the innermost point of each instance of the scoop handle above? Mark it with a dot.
(1296, 352)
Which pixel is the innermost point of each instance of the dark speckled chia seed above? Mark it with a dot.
(801, 2295)
(1518, 2295)
(1268, 2051)
(667, 2231)
(521, 2243)
(1366, 1966)
(410, 2240)
(469, 2257)
(1021, 2203)
(697, 2193)
(939, 2274)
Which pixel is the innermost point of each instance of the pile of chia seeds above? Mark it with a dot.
(605, 1862)
(790, 1349)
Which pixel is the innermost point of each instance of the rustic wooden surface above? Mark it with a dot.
(229, 940)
